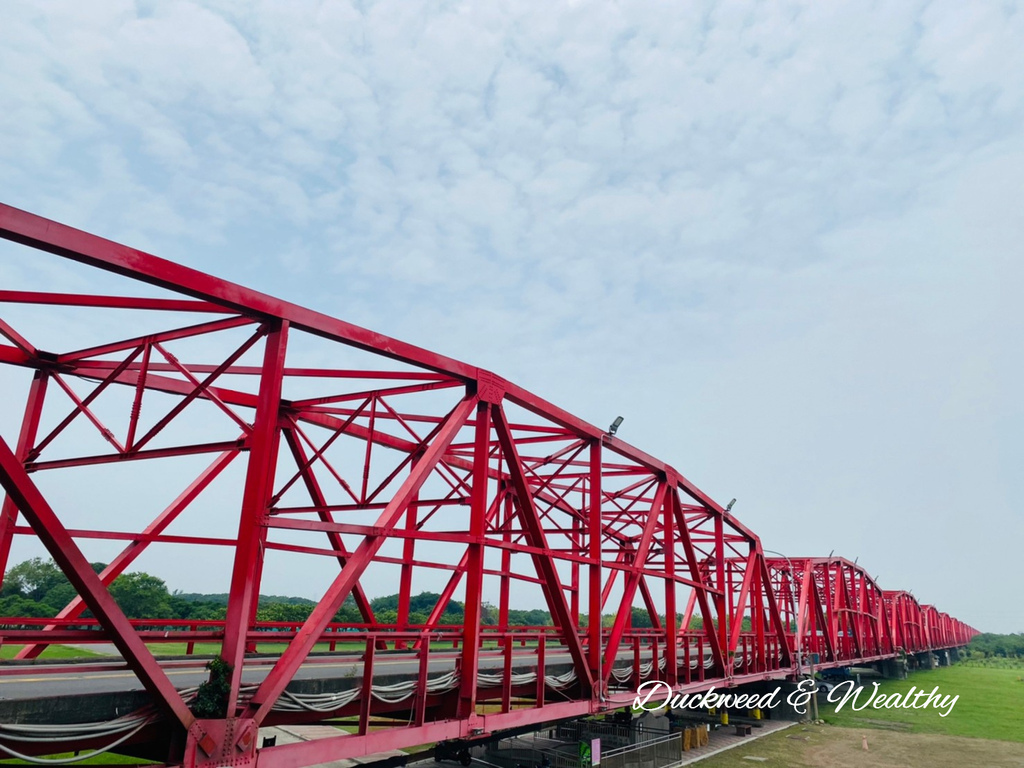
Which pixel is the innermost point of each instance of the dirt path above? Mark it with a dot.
(834, 747)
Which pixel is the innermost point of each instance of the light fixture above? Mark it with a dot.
(728, 507)
(615, 425)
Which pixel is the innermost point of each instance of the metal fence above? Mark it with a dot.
(533, 752)
(612, 735)
(652, 749)
(655, 753)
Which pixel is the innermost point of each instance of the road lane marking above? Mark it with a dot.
(312, 666)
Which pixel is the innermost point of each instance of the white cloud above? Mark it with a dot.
(791, 224)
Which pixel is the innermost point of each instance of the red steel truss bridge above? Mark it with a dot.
(254, 437)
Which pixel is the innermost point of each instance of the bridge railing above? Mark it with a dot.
(654, 752)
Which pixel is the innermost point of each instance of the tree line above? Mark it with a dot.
(37, 588)
(988, 645)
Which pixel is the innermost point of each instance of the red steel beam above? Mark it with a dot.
(259, 488)
(26, 439)
(474, 572)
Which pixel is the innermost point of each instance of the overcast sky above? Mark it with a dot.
(784, 241)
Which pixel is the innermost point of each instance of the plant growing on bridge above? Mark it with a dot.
(212, 697)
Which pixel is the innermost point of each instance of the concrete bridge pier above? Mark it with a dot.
(791, 698)
(893, 669)
(927, 660)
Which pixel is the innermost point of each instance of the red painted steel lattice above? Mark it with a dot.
(405, 464)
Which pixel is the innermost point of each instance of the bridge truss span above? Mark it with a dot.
(256, 437)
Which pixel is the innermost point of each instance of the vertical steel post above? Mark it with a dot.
(541, 668)
(594, 547)
(574, 574)
(506, 559)
(475, 565)
(506, 676)
(259, 486)
(366, 689)
(669, 551)
(27, 438)
(420, 707)
(723, 637)
(757, 613)
(408, 555)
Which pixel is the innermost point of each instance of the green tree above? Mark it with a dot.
(16, 605)
(991, 644)
(141, 596)
(283, 612)
(424, 602)
(448, 617)
(348, 614)
(641, 619)
(59, 596)
(32, 579)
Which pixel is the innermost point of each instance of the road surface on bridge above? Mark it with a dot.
(35, 681)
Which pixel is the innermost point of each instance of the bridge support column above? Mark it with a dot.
(893, 669)
(926, 660)
(786, 708)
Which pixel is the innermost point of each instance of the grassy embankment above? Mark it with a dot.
(985, 727)
(991, 704)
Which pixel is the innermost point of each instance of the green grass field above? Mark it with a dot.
(991, 704)
(212, 649)
(107, 758)
(994, 662)
(984, 728)
(825, 746)
(52, 652)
